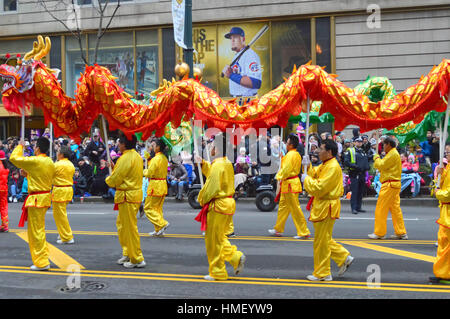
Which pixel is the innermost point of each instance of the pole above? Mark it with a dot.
(378, 140)
(279, 146)
(199, 166)
(307, 133)
(189, 51)
(51, 140)
(105, 134)
(22, 125)
(443, 139)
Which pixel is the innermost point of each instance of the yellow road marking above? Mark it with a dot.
(243, 280)
(392, 251)
(264, 238)
(58, 257)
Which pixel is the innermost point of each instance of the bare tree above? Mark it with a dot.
(72, 6)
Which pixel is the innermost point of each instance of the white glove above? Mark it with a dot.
(306, 161)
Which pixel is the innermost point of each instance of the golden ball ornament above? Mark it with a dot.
(181, 69)
(198, 73)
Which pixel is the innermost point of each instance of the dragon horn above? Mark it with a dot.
(45, 49)
(32, 52)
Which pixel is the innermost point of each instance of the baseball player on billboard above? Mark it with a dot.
(245, 73)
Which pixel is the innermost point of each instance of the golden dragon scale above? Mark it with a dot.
(98, 93)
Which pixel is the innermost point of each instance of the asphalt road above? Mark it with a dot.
(276, 267)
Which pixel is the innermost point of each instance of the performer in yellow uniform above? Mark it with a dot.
(441, 267)
(290, 188)
(126, 178)
(62, 194)
(157, 188)
(216, 198)
(390, 168)
(39, 170)
(325, 184)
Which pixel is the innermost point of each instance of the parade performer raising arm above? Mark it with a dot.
(39, 170)
(324, 183)
(390, 168)
(216, 198)
(441, 267)
(157, 188)
(290, 168)
(126, 178)
(62, 194)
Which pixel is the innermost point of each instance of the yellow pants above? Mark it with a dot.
(230, 229)
(289, 204)
(36, 236)
(153, 208)
(325, 248)
(218, 248)
(61, 221)
(128, 233)
(388, 200)
(441, 267)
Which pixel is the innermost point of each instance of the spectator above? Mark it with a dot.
(240, 176)
(95, 149)
(15, 187)
(178, 178)
(86, 170)
(188, 165)
(426, 147)
(99, 186)
(79, 184)
(262, 160)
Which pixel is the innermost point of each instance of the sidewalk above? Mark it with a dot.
(418, 201)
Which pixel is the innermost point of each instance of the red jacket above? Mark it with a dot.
(3, 177)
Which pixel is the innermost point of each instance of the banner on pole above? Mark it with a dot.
(178, 14)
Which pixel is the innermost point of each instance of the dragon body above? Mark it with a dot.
(33, 83)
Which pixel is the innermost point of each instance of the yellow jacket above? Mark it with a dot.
(157, 175)
(40, 171)
(64, 171)
(291, 164)
(390, 167)
(325, 183)
(443, 195)
(126, 178)
(219, 187)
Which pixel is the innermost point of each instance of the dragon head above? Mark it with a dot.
(19, 79)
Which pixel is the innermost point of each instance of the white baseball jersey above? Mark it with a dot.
(248, 65)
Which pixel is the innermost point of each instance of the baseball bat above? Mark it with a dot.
(255, 38)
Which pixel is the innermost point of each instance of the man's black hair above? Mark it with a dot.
(389, 140)
(294, 139)
(222, 144)
(129, 143)
(65, 151)
(331, 145)
(44, 144)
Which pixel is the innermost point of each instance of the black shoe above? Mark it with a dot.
(361, 211)
(231, 235)
(354, 212)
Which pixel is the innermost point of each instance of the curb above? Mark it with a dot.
(418, 201)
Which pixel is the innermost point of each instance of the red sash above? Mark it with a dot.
(202, 215)
(157, 179)
(310, 202)
(391, 180)
(116, 206)
(62, 185)
(24, 216)
(277, 199)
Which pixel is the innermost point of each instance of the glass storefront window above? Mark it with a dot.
(291, 45)
(9, 5)
(323, 52)
(74, 63)
(147, 61)
(55, 53)
(115, 52)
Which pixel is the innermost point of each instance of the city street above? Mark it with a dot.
(275, 268)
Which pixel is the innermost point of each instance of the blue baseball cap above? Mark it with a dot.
(235, 30)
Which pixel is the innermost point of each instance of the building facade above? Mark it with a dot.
(398, 39)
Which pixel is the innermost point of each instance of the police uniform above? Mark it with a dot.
(358, 163)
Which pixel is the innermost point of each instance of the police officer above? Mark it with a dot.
(357, 162)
